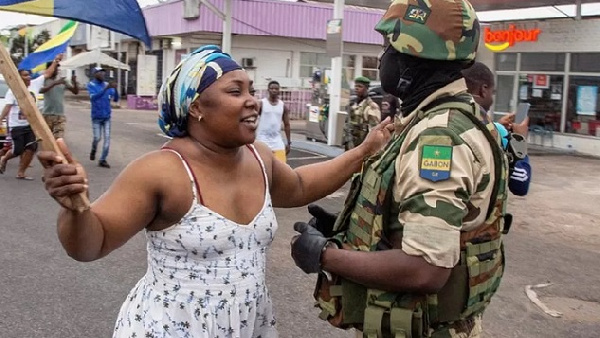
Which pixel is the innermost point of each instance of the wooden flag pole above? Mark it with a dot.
(29, 108)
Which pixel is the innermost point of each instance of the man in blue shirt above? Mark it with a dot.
(481, 84)
(101, 93)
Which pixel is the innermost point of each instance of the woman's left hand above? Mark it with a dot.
(378, 137)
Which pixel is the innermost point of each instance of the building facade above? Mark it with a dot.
(554, 66)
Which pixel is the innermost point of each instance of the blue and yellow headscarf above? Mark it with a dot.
(190, 78)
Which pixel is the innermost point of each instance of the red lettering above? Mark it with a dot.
(521, 36)
(510, 35)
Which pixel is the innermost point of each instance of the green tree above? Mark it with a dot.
(17, 50)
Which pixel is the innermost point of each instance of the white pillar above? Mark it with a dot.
(358, 67)
(578, 9)
(119, 69)
(335, 86)
(227, 27)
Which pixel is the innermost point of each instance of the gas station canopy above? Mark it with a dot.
(480, 5)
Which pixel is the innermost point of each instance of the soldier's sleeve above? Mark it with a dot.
(435, 178)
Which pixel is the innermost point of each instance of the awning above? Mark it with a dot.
(480, 5)
(92, 58)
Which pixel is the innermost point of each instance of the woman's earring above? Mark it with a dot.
(200, 118)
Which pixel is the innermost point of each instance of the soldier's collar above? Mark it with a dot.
(452, 89)
(457, 87)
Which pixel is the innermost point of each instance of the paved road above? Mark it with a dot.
(46, 294)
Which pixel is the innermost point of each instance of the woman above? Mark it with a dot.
(206, 202)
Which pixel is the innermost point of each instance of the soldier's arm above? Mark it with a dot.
(432, 207)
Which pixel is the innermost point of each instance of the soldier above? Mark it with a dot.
(417, 250)
(480, 83)
(363, 115)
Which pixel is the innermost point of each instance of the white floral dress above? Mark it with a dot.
(205, 278)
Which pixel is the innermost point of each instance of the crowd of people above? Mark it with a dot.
(417, 249)
(21, 141)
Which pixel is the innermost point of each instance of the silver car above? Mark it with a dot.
(3, 126)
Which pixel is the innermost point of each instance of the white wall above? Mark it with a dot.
(276, 58)
(53, 27)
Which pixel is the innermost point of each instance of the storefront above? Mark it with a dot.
(555, 66)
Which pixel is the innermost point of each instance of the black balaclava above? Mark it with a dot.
(413, 79)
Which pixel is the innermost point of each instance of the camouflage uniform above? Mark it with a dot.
(437, 204)
(440, 183)
(361, 118)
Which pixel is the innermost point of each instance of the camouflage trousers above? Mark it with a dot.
(466, 329)
(354, 136)
(57, 124)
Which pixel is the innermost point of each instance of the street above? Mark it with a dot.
(555, 239)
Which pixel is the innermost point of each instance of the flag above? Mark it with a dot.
(11, 2)
(123, 16)
(47, 52)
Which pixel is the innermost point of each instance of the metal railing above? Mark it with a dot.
(297, 101)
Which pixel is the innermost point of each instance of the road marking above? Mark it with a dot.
(135, 123)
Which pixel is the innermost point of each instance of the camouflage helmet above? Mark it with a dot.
(446, 30)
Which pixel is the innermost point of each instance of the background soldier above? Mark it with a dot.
(363, 115)
(417, 250)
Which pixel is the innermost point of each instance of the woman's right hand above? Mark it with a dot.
(63, 181)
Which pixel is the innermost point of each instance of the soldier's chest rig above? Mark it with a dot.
(368, 212)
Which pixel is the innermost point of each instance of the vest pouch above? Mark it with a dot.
(394, 322)
(342, 302)
(341, 223)
(354, 298)
(485, 269)
(452, 298)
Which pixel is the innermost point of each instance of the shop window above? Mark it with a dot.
(550, 62)
(583, 113)
(585, 62)
(504, 91)
(349, 67)
(371, 67)
(506, 61)
(545, 94)
(309, 62)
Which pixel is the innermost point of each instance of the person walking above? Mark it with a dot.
(54, 99)
(101, 95)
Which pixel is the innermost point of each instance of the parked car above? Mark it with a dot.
(3, 125)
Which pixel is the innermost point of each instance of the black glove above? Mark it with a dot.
(307, 248)
(322, 220)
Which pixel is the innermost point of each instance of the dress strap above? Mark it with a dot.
(195, 187)
(262, 165)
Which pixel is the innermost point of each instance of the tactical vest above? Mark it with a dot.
(362, 225)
